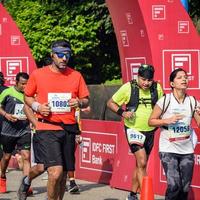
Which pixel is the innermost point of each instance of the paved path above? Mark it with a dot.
(89, 191)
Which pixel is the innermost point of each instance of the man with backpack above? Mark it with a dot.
(139, 97)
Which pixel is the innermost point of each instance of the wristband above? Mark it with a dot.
(35, 105)
(80, 104)
(120, 111)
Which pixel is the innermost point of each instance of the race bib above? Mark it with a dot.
(135, 137)
(59, 102)
(179, 131)
(18, 112)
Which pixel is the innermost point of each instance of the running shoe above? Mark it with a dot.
(23, 190)
(73, 187)
(130, 197)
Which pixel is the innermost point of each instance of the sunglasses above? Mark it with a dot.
(61, 55)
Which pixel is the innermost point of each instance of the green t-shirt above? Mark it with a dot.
(13, 101)
(143, 112)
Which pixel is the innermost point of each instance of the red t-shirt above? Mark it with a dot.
(46, 85)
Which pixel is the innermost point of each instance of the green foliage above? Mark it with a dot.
(114, 82)
(194, 6)
(86, 24)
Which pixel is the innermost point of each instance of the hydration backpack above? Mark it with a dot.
(135, 99)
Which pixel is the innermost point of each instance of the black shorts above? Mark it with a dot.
(70, 151)
(21, 143)
(148, 143)
(48, 147)
(53, 148)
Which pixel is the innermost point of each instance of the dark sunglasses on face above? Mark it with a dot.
(61, 55)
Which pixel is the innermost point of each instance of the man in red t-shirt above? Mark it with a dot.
(53, 93)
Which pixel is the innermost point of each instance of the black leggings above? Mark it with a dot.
(178, 170)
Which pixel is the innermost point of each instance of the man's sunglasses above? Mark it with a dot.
(61, 55)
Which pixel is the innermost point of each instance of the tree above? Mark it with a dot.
(195, 13)
(86, 24)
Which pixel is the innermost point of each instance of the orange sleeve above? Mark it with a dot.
(31, 86)
(83, 90)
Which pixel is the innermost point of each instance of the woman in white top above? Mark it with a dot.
(173, 114)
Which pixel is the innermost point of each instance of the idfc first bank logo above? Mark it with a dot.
(10, 66)
(98, 151)
(185, 59)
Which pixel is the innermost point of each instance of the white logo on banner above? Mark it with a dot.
(161, 36)
(142, 34)
(95, 151)
(12, 65)
(183, 27)
(5, 20)
(132, 66)
(124, 36)
(15, 40)
(186, 59)
(129, 18)
(158, 12)
(86, 150)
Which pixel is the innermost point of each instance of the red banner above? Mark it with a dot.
(15, 55)
(98, 150)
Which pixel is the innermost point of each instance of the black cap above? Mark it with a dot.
(146, 71)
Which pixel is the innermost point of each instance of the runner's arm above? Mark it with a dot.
(43, 109)
(30, 115)
(117, 109)
(8, 116)
(197, 118)
(156, 121)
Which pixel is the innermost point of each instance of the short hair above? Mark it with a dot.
(146, 71)
(61, 43)
(23, 75)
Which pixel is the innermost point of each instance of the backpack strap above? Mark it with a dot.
(154, 93)
(166, 102)
(134, 98)
(193, 104)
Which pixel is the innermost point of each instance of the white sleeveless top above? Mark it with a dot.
(176, 138)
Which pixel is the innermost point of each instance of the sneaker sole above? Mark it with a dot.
(75, 189)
